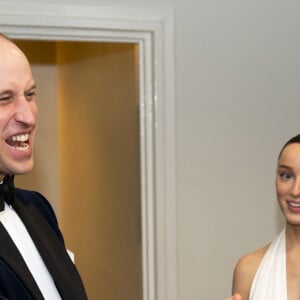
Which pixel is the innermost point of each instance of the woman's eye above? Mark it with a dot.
(285, 176)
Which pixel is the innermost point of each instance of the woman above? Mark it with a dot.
(273, 272)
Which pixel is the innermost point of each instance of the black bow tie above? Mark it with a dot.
(7, 191)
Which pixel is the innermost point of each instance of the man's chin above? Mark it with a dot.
(20, 169)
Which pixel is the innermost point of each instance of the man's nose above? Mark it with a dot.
(25, 111)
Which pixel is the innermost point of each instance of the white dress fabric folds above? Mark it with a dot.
(269, 282)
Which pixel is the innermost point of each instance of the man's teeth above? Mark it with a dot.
(294, 204)
(20, 138)
(26, 147)
(19, 142)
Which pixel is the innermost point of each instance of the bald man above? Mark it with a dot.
(34, 263)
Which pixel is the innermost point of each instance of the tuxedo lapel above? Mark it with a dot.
(12, 257)
(52, 251)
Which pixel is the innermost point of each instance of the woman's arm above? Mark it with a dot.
(235, 297)
(245, 271)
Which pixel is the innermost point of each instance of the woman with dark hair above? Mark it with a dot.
(273, 271)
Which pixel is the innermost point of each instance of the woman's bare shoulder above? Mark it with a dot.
(245, 270)
(250, 262)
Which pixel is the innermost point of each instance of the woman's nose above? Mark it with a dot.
(296, 188)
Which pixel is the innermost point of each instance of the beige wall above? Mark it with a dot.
(87, 158)
(99, 165)
(45, 175)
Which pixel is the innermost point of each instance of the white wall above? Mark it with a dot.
(237, 94)
(237, 89)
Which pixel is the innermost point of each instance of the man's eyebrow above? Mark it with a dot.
(32, 87)
(9, 91)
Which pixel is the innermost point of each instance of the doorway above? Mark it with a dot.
(87, 157)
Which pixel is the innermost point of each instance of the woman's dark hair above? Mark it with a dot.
(293, 140)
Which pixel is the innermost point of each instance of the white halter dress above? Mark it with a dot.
(269, 282)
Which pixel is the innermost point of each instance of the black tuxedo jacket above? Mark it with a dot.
(16, 281)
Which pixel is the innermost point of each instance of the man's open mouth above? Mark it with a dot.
(19, 142)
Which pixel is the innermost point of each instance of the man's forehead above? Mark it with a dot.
(9, 45)
(10, 52)
(5, 40)
(15, 70)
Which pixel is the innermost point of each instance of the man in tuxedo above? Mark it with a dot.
(34, 263)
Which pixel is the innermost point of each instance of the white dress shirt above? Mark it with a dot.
(20, 236)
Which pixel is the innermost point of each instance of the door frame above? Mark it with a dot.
(153, 31)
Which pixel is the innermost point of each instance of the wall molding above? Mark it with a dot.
(152, 30)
